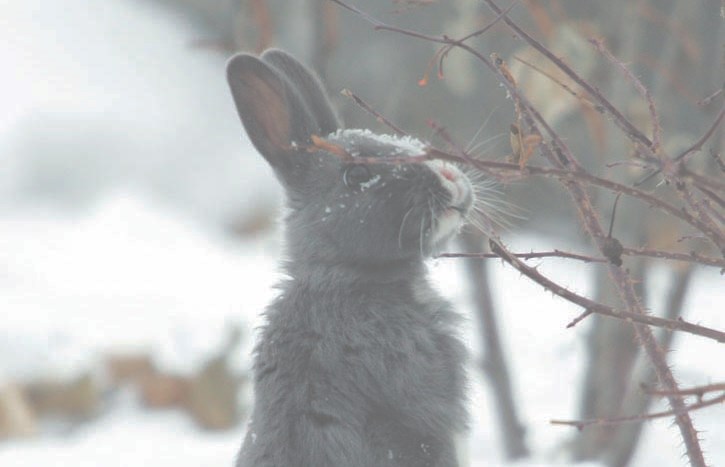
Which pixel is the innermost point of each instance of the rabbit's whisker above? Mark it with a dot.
(432, 215)
(483, 125)
(402, 225)
(490, 208)
(420, 239)
(479, 145)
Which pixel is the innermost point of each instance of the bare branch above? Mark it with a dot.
(702, 180)
(595, 307)
(701, 142)
(532, 255)
(579, 319)
(697, 146)
(695, 391)
(581, 424)
(373, 112)
(656, 129)
(705, 101)
(691, 257)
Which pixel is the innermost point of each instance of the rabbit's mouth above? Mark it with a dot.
(454, 181)
(460, 201)
(456, 184)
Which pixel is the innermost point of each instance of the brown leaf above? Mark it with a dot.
(325, 145)
(531, 142)
(522, 146)
(516, 143)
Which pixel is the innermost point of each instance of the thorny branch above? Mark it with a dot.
(697, 146)
(701, 142)
(562, 174)
(378, 116)
(656, 129)
(620, 277)
(575, 178)
(594, 307)
(692, 257)
(698, 391)
(581, 424)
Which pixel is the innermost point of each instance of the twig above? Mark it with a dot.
(695, 391)
(443, 133)
(579, 319)
(694, 148)
(656, 128)
(532, 255)
(614, 215)
(561, 84)
(711, 195)
(379, 117)
(705, 101)
(701, 142)
(703, 215)
(718, 160)
(699, 179)
(581, 424)
(445, 50)
(691, 257)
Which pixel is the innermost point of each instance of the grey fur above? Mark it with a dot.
(358, 364)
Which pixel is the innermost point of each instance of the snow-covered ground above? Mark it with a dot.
(130, 273)
(102, 96)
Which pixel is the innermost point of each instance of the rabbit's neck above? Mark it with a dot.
(324, 273)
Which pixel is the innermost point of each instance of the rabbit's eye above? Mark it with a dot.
(356, 175)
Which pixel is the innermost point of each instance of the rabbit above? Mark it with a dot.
(358, 363)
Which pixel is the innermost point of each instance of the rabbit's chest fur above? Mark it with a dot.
(379, 369)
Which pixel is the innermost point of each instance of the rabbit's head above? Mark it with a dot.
(344, 204)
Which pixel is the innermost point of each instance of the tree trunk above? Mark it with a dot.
(493, 362)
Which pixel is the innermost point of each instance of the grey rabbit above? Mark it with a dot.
(358, 363)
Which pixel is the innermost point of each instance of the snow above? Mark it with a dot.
(113, 279)
(126, 438)
(134, 274)
(405, 145)
(370, 183)
(102, 96)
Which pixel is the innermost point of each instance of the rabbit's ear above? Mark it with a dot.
(274, 116)
(308, 86)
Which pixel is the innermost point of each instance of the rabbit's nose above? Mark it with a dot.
(448, 173)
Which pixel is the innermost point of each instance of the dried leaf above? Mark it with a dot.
(516, 143)
(522, 146)
(531, 142)
(325, 145)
